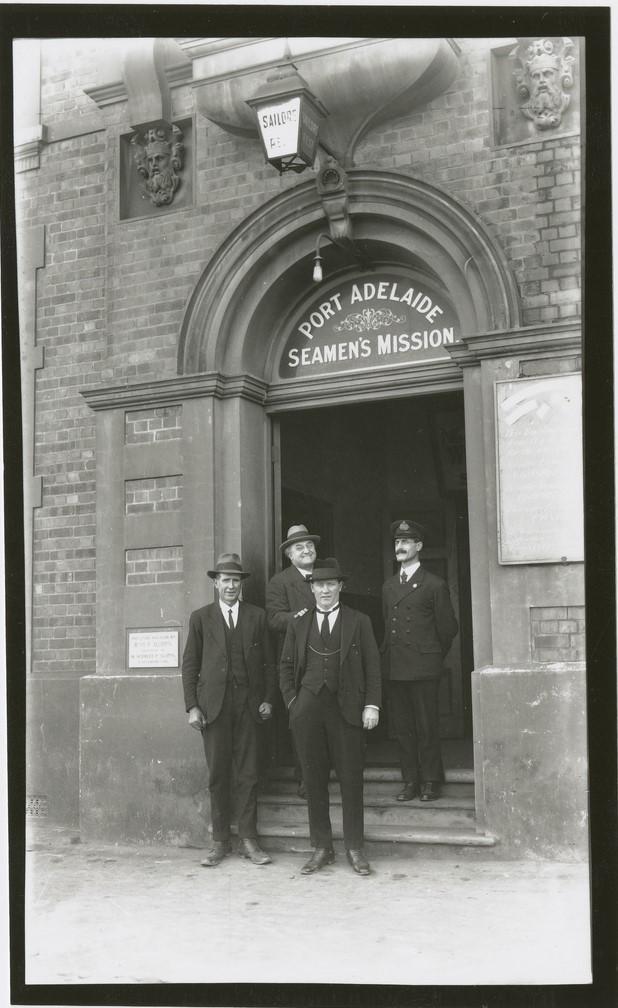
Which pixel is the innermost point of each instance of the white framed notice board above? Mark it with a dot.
(152, 648)
(539, 454)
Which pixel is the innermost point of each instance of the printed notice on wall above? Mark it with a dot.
(540, 470)
(152, 649)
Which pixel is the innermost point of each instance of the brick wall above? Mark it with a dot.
(155, 565)
(150, 496)
(65, 196)
(527, 195)
(557, 633)
(151, 425)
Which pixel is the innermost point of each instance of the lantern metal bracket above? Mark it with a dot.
(332, 186)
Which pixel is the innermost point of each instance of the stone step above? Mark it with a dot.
(453, 775)
(392, 828)
(387, 840)
(455, 813)
(386, 788)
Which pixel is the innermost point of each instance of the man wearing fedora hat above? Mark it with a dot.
(420, 626)
(329, 675)
(289, 595)
(229, 684)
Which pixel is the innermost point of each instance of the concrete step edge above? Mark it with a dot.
(462, 838)
(444, 803)
(452, 775)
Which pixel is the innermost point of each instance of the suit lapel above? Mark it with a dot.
(300, 584)
(244, 622)
(215, 621)
(304, 625)
(348, 622)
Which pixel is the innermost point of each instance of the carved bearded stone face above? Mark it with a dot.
(544, 74)
(158, 163)
(545, 93)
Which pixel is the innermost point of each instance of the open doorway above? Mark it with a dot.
(347, 472)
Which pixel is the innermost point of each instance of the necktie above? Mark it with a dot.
(325, 631)
(404, 577)
(229, 619)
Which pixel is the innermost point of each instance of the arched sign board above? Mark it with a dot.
(382, 320)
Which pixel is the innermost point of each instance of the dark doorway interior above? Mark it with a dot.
(347, 472)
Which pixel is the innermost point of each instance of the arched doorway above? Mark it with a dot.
(262, 271)
(238, 325)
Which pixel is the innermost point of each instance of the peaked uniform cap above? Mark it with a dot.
(228, 563)
(298, 533)
(405, 528)
(327, 570)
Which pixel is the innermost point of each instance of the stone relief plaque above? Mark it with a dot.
(540, 470)
(536, 89)
(152, 649)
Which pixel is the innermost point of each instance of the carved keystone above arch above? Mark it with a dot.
(263, 269)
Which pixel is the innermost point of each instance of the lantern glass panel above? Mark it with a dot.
(279, 126)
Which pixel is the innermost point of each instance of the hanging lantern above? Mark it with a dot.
(288, 118)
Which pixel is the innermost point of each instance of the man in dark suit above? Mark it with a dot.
(419, 629)
(289, 595)
(329, 675)
(229, 684)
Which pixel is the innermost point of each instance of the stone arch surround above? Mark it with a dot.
(263, 269)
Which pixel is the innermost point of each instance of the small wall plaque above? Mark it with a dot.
(540, 470)
(152, 648)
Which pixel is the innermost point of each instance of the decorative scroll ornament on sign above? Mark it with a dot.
(544, 75)
(367, 320)
(158, 156)
(381, 319)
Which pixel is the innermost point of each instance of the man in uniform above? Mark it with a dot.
(419, 627)
(289, 595)
(229, 683)
(329, 675)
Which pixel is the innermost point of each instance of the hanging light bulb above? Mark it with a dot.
(317, 268)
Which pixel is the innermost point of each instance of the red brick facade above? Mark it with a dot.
(112, 295)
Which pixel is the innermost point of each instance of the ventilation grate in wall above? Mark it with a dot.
(37, 806)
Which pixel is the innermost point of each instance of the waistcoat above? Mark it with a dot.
(322, 666)
(236, 668)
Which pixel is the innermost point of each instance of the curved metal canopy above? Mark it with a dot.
(361, 82)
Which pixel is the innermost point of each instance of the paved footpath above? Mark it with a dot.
(109, 914)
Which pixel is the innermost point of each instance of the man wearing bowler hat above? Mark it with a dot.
(419, 627)
(329, 675)
(229, 684)
(289, 595)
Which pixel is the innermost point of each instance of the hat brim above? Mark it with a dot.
(241, 574)
(327, 575)
(300, 538)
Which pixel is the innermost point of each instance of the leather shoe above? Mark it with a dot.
(431, 791)
(359, 862)
(248, 848)
(321, 856)
(408, 792)
(219, 850)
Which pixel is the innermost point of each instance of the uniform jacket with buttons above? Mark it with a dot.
(419, 626)
(359, 663)
(204, 662)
